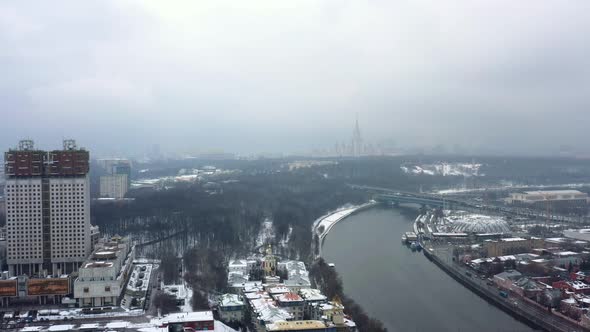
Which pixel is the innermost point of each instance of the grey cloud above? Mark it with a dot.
(290, 76)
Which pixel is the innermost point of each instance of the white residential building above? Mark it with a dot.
(114, 186)
(47, 209)
(231, 308)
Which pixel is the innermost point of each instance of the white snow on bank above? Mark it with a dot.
(332, 218)
(328, 221)
(510, 186)
(444, 169)
(285, 241)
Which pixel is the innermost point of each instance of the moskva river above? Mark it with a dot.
(402, 288)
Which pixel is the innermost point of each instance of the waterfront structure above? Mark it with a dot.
(114, 186)
(102, 278)
(512, 245)
(47, 209)
(561, 201)
(231, 308)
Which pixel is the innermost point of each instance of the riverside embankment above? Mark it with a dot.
(403, 289)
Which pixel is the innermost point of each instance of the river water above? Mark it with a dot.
(402, 288)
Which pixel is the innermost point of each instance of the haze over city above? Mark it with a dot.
(502, 77)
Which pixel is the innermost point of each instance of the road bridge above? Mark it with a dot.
(386, 195)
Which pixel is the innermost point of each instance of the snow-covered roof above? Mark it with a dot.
(197, 316)
(508, 275)
(312, 294)
(578, 285)
(267, 311)
(566, 253)
(230, 300)
(301, 325)
(31, 329)
(117, 325)
(92, 326)
(278, 290)
(512, 239)
(56, 328)
(289, 297)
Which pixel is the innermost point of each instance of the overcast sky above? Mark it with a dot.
(254, 76)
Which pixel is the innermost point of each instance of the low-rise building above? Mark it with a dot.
(301, 326)
(311, 296)
(265, 311)
(101, 279)
(513, 245)
(231, 308)
(505, 279)
(189, 321)
(561, 201)
(292, 303)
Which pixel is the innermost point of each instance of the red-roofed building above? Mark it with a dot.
(292, 303)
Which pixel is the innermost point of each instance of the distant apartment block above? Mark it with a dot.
(117, 180)
(114, 186)
(47, 209)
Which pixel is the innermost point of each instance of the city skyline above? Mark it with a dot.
(218, 76)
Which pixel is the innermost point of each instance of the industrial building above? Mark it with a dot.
(512, 245)
(555, 201)
(47, 209)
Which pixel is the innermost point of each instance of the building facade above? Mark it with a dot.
(556, 201)
(47, 209)
(102, 278)
(114, 186)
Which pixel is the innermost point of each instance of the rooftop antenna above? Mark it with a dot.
(69, 144)
(26, 145)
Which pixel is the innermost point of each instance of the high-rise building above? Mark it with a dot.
(47, 209)
(114, 186)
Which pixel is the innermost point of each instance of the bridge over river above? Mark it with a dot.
(392, 196)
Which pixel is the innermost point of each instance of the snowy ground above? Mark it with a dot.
(266, 234)
(460, 222)
(444, 169)
(510, 186)
(121, 325)
(329, 220)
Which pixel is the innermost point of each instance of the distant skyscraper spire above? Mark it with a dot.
(357, 140)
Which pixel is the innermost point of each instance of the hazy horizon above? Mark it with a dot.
(499, 77)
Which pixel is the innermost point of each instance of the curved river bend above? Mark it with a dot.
(400, 287)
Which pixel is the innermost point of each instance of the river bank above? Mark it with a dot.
(322, 226)
(405, 291)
